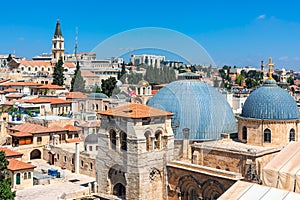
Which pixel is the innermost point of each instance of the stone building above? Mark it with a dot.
(270, 116)
(135, 143)
(143, 92)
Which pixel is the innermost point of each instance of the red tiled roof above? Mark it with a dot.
(69, 64)
(136, 111)
(21, 134)
(31, 128)
(75, 95)
(88, 73)
(90, 124)
(10, 90)
(35, 63)
(9, 84)
(15, 165)
(57, 128)
(73, 140)
(72, 128)
(48, 100)
(14, 95)
(10, 153)
(50, 86)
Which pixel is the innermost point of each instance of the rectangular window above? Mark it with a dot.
(82, 163)
(90, 148)
(29, 175)
(69, 136)
(25, 175)
(65, 158)
(39, 140)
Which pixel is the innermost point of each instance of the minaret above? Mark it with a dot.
(58, 49)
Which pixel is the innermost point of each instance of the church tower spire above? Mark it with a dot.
(58, 43)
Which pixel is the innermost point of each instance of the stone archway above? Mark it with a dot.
(189, 187)
(212, 190)
(119, 190)
(35, 154)
(116, 176)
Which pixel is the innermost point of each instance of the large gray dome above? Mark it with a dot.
(197, 106)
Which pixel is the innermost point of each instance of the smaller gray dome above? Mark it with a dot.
(97, 96)
(91, 139)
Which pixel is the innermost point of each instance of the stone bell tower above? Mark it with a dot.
(58, 44)
(135, 143)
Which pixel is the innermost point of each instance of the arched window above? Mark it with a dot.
(25, 176)
(29, 175)
(97, 106)
(123, 137)
(18, 178)
(244, 133)
(157, 141)
(292, 135)
(148, 140)
(113, 139)
(93, 106)
(267, 135)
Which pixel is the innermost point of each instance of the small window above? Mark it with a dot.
(113, 139)
(267, 135)
(39, 140)
(69, 136)
(65, 158)
(91, 166)
(82, 163)
(90, 148)
(97, 148)
(157, 142)
(244, 133)
(25, 176)
(146, 121)
(292, 135)
(29, 175)
(57, 156)
(72, 161)
(123, 137)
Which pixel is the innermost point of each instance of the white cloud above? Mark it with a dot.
(283, 58)
(261, 16)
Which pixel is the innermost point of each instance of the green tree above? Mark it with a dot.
(77, 82)
(122, 72)
(290, 80)
(58, 74)
(108, 85)
(5, 182)
(240, 80)
(96, 89)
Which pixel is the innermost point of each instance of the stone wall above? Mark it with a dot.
(280, 131)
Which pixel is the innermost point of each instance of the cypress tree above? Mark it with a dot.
(77, 83)
(58, 74)
(5, 182)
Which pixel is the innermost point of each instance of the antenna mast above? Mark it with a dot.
(76, 44)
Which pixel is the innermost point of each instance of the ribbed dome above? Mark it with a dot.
(270, 102)
(97, 96)
(197, 106)
(91, 139)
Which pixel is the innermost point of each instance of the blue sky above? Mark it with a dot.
(233, 32)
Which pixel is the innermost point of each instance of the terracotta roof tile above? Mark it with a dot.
(31, 128)
(10, 84)
(10, 90)
(35, 63)
(15, 165)
(72, 128)
(87, 73)
(10, 153)
(69, 64)
(57, 128)
(136, 111)
(73, 140)
(14, 95)
(48, 100)
(21, 134)
(75, 95)
(50, 86)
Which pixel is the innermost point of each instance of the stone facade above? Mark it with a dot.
(135, 170)
(25, 180)
(252, 131)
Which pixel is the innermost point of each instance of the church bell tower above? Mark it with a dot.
(58, 49)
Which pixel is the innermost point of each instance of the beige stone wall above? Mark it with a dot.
(142, 164)
(65, 159)
(280, 131)
(24, 183)
(182, 180)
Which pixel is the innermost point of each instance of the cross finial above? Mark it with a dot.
(270, 65)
